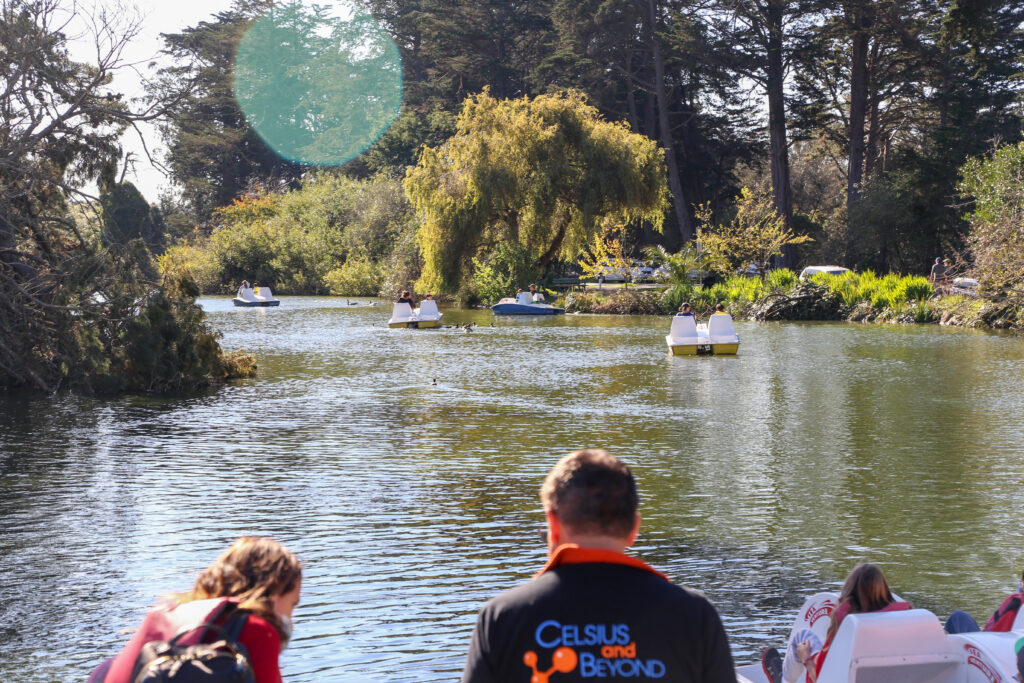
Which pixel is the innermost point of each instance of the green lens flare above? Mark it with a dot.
(320, 83)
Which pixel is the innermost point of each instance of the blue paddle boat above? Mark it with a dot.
(524, 304)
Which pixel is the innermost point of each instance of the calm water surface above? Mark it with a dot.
(763, 478)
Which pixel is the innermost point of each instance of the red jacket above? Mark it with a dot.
(163, 622)
(1002, 619)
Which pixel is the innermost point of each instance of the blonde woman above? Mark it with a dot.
(257, 577)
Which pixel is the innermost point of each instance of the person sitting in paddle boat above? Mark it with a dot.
(406, 298)
(244, 286)
(535, 294)
(1002, 619)
(865, 590)
(686, 310)
(720, 310)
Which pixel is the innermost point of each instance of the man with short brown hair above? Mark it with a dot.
(593, 611)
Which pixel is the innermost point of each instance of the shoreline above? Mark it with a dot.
(811, 303)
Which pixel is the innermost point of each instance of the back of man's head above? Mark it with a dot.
(592, 492)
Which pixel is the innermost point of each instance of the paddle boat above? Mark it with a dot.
(524, 304)
(718, 336)
(261, 296)
(908, 646)
(424, 317)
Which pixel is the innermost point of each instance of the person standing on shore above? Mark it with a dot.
(938, 275)
(594, 611)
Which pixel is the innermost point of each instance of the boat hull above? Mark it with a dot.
(251, 304)
(415, 324)
(526, 309)
(685, 347)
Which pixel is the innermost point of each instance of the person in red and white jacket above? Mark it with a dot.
(259, 576)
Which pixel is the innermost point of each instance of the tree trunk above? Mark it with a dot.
(858, 110)
(634, 120)
(665, 130)
(782, 191)
(871, 152)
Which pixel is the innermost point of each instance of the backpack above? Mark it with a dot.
(224, 660)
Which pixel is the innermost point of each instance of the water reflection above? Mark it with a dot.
(763, 477)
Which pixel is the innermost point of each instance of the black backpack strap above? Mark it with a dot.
(236, 623)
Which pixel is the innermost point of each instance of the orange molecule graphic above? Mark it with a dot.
(563, 661)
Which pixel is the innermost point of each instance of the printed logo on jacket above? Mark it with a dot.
(592, 650)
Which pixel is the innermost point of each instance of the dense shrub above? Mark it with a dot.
(509, 267)
(293, 240)
(996, 185)
(197, 264)
(619, 301)
(358, 276)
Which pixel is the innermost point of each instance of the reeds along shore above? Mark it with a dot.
(854, 297)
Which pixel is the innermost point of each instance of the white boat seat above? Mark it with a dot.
(892, 646)
(721, 329)
(265, 293)
(524, 298)
(428, 310)
(401, 311)
(246, 293)
(538, 298)
(684, 330)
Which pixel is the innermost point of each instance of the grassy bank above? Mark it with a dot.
(854, 297)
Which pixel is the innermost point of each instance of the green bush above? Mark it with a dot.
(358, 276)
(782, 279)
(509, 267)
(674, 297)
(187, 260)
(292, 241)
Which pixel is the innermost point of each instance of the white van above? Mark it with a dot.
(814, 270)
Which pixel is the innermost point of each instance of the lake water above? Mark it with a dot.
(763, 478)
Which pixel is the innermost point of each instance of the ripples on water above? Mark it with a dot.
(763, 477)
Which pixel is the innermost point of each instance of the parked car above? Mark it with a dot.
(642, 272)
(752, 270)
(814, 270)
(610, 274)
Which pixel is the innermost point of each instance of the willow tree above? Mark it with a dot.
(547, 173)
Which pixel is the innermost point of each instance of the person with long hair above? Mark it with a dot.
(865, 590)
(256, 577)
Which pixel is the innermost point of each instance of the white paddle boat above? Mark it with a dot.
(525, 304)
(718, 336)
(908, 646)
(424, 317)
(261, 296)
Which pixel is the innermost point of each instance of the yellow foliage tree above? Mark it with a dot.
(606, 254)
(547, 173)
(755, 235)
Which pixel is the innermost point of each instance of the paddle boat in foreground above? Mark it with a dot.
(908, 646)
(524, 304)
(247, 296)
(718, 336)
(424, 317)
